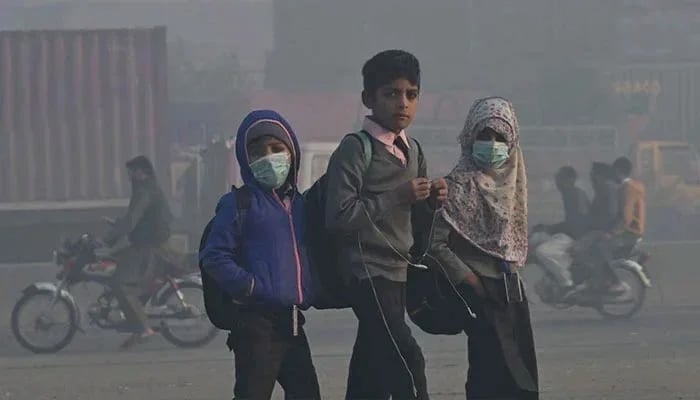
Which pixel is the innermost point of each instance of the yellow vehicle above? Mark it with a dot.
(671, 173)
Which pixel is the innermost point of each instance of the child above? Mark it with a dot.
(370, 211)
(480, 240)
(264, 267)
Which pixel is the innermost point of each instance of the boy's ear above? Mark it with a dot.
(368, 99)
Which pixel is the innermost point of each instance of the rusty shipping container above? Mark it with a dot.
(74, 106)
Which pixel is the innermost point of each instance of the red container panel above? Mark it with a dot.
(74, 106)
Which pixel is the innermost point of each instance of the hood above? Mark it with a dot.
(496, 113)
(252, 119)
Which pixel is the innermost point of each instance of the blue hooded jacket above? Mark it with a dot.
(271, 249)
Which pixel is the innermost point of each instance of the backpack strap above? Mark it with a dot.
(243, 197)
(420, 150)
(364, 137)
(243, 200)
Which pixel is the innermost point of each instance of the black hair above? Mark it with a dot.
(141, 163)
(623, 165)
(388, 66)
(568, 172)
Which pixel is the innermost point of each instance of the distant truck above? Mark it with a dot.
(75, 105)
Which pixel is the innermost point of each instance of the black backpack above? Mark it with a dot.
(431, 300)
(329, 284)
(220, 307)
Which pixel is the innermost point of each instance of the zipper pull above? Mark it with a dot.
(295, 321)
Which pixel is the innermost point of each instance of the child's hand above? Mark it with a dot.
(438, 192)
(415, 190)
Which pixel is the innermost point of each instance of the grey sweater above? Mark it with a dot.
(357, 199)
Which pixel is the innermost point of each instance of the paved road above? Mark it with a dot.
(653, 357)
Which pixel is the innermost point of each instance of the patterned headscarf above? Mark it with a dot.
(489, 208)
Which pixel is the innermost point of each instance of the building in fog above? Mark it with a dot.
(558, 59)
(502, 46)
(659, 41)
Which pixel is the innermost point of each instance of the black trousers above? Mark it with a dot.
(386, 359)
(136, 268)
(266, 351)
(596, 252)
(604, 251)
(502, 361)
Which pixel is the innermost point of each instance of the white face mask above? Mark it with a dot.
(272, 170)
(490, 154)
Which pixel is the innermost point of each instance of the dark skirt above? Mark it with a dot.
(502, 361)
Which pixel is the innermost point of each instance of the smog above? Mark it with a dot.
(87, 86)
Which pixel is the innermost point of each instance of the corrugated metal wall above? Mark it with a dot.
(675, 114)
(74, 105)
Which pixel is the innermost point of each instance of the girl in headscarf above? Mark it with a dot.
(479, 242)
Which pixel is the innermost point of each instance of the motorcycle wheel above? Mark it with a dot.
(53, 345)
(617, 309)
(195, 298)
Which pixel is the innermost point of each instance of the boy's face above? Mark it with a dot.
(563, 181)
(621, 175)
(265, 146)
(136, 175)
(598, 180)
(394, 105)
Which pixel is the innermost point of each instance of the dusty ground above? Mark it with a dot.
(655, 356)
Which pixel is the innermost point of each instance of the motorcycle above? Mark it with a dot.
(174, 303)
(630, 268)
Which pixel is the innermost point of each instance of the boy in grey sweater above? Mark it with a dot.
(369, 210)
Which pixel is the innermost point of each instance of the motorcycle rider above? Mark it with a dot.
(633, 195)
(147, 225)
(630, 222)
(553, 242)
(604, 218)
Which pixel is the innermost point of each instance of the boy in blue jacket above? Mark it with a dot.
(264, 264)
